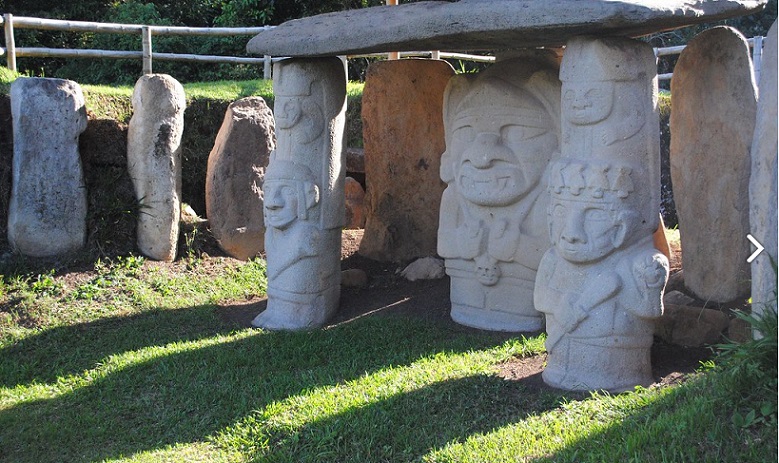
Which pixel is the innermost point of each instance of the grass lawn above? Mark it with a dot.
(133, 361)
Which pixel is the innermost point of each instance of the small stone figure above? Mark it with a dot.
(601, 283)
(299, 294)
(304, 195)
(600, 288)
(502, 129)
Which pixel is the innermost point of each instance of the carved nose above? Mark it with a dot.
(573, 232)
(487, 149)
(274, 201)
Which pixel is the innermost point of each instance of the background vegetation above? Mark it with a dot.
(210, 13)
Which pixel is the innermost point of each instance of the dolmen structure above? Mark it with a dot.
(551, 169)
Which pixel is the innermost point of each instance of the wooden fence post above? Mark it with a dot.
(10, 44)
(393, 54)
(146, 31)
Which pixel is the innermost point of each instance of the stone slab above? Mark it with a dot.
(712, 122)
(236, 167)
(403, 157)
(484, 25)
(763, 181)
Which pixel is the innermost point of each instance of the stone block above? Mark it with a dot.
(48, 206)
(691, 326)
(234, 177)
(712, 123)
(404, 137)
(355, 204)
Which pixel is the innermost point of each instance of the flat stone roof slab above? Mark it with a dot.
(471, 25)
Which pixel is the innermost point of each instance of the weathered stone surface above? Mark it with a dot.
(712, 122)
(154, 162)
(402, 157)
(355, 160)
(601, 283)
(691, 326)
(762, 183)
(236, 167)
(354, 278)
(677, 298)
(48, 206)
(426, 268)
(354, 196)
(483, 25)
(502, 130)
(304, 195)
(739, 330)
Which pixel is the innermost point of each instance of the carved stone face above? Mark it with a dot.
(487, 271)
(287, 111)
(503, 155)
(587, 102)
(584, 232)
(281, 203)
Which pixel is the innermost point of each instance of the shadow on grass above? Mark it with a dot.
(69, 350)
(407, 426)
(192, 394)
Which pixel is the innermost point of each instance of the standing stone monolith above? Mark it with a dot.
(712, 123)
(402, 157)
(502, 130)
(154, 162)
(762, 183)
(601, 283)
(48, 205)
(234, 176)
(304, 195)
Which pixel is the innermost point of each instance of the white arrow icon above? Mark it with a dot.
(757, 251)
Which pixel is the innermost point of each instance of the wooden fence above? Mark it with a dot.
(147, 55)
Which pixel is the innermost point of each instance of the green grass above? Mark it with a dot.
(135, 361)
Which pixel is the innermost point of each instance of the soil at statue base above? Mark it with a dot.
(387, 293)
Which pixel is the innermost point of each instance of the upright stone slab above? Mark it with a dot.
(601, 283)
(154, 162)
(235, 172)
(502, 130)
(762, 183)
(48, 206)
(404, 137)
(712, 123)
(304, 195)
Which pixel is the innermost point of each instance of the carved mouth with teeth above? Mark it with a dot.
(493, 186)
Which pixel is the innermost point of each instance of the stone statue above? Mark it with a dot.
(502, 130)
(600, 285)
(303, 195)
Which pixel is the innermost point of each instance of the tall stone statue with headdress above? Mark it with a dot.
(502, 129)
(303, 193)
(600, 285)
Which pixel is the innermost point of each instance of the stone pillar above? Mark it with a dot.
(236, 167)
(712, 123)
(304, 195)
(601, 283)
(48, 206)
(154, 162)
(762, 183)
(404, 138)
(502, 130)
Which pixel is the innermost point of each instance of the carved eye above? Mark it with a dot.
(515, 134)
(594, 93)
(463, 136)
(596, 215)
(569, 95)
(558, 211)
